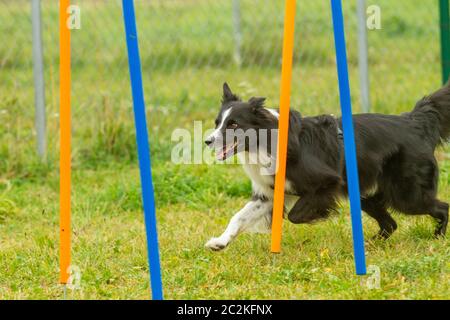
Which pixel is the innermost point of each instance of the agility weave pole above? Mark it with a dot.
(349, 138)
(143, 148)
(283, 124)
(445, 38)
(65, 142)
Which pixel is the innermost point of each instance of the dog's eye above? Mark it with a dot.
(216, 122)
(232, 125)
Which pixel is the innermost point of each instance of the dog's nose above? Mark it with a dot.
(209, 141)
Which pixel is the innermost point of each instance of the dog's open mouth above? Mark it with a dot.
(226, 151)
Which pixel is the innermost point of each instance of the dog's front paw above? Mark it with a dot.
(216, 244)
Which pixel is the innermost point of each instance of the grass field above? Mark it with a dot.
(187, 49)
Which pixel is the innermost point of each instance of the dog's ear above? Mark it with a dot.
(256, 102)
(228, 96)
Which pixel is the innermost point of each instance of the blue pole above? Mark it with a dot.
(349, 138)
(148, 197)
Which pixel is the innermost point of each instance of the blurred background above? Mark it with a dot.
(188, 49)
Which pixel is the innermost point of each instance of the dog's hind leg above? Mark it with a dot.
(255, 214)
(440, 213)
(375, 208)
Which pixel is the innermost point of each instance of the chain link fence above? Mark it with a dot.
(188, 49)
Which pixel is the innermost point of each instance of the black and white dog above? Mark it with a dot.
(396, 163)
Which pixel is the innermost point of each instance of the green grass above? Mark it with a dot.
(187, 50)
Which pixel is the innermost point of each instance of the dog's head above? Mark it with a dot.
(239, 124)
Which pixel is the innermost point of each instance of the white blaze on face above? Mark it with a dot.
(217, 133)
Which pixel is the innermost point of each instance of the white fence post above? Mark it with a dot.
(38, 71)
(363, 59)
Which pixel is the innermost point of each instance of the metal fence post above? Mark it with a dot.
(237, 32)
(38, 71)
(363, 59)
(445, 38)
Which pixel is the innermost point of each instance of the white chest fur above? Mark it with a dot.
(263, 181)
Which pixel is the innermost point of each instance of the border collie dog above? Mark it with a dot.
(397, 167)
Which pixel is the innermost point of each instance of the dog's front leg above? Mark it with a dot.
(255, 216)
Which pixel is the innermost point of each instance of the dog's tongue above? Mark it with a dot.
(222, 153)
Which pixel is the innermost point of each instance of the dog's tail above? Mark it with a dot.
(434, 111)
